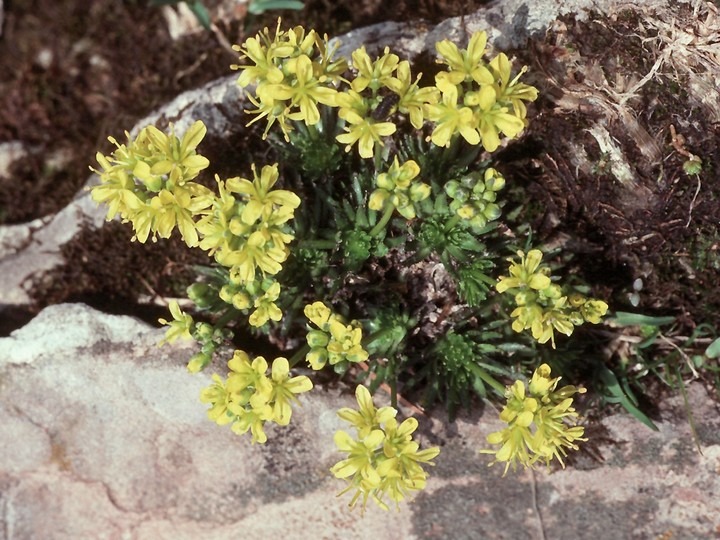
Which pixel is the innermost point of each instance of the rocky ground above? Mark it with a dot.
(104, 436)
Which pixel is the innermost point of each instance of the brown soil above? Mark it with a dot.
(660, 226)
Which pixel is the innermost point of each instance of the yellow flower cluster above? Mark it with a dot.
(245, 229)
(396, 187)
(541, 422)
(479, 101)
(542, 307)
(148, 182)
(248, 398)
(333, 341)
(380, 88)
(260, 295)
(383, 460)
(473, 197)
(292, 72)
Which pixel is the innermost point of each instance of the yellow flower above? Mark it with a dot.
(345, 342)
(360, 458)
(541, 305)
(252, 419)
(334, 341)
(272, 109)
(525, 315)
(293, 72)
(317, 358)
(265, 308)
(413, 100)
(382, 460)
(249, 399)
(261, 199)
(219, 399)
(513, 91)
(367, 418)
(180, 326)
(285, 388)
(492, 119)
(318, 313)
(148, 182)
(401, 471)
(257, 251)
(520, 409)
(451, 119)
(541, 426)
(262, 57)
(174, 158)
(373, 74)
(526, 273)
(464, 64)
(307, 91)
(244, 374)
(552, 319)
(593, 310)
(117, 189)
(364, 131)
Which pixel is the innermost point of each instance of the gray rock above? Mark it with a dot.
(103, 436)
(10, 151)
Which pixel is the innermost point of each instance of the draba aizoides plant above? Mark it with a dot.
(369, 248)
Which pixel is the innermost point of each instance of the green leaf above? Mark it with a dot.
(615, 394)
(513, 347)
(257, 7)
(201, 13)
(624, 318)
(713, 350)
(479, 387)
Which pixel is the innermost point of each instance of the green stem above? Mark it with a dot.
(377, 160)
(226, 317)
(301, 127)
(383, 220)
(393, 390)
(299, 355)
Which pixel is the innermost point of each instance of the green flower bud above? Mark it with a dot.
(201, 294)
(226, 294)
(203, 331)
(492, 211)
(317, 339)
(451, 188)
(198, 362)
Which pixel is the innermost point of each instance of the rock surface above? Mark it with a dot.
(103, 436)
